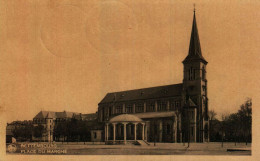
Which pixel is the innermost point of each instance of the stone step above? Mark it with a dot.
(142, 143)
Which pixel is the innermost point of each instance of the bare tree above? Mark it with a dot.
(245, 116)
(212, 115)
(224, 118)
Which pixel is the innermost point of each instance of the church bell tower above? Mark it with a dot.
(195, 87)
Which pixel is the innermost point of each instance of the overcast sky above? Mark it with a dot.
(66, 55)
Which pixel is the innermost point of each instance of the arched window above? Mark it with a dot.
(119, 109)
(192, 74)
(129, 108)
(203, 73)
(139, 107)
(172, 105)
(110, 110)
(101, 115)
(150, 106)
(162, 105)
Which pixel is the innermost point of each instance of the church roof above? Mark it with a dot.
(125, 118)
(144, 93)
(194, 49)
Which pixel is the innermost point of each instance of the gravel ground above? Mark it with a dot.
(159, 149)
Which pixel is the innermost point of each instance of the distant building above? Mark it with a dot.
(86, 117)
(171, 113)
(48, 119)
(14, 125)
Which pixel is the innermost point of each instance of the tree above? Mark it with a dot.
(245, 116)
(233, 127)
(224, 127)
(38, 131)
(58, 131)
(23, 132)
(27, 132)
(238, 126)
(212, 115)
(215, 129)
(83, 130)
(17, 132)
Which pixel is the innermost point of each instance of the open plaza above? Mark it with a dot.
(99, 148)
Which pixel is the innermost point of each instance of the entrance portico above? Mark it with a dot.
(125, 128)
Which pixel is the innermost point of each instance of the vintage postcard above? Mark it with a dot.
(124, 79)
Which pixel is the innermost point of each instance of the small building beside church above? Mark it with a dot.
(48, 119)
(170, 113)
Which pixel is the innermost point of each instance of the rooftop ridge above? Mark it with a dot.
(145, 88)
(144, 93)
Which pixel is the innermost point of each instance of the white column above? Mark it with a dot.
(124, 132)
(114, 125)
(148, 129)
(143, 131)
(146, 132)
(179, 126)
(105, 132)
(168, 105)
(135, 131)
(124, 110)
(175, 129)
(160, 131)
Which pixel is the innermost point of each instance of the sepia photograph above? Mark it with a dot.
(128, 78)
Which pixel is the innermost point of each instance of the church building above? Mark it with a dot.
(170, 113)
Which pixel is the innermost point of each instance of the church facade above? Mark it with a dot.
(171, 113)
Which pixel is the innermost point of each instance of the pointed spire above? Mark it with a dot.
(194, 49)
